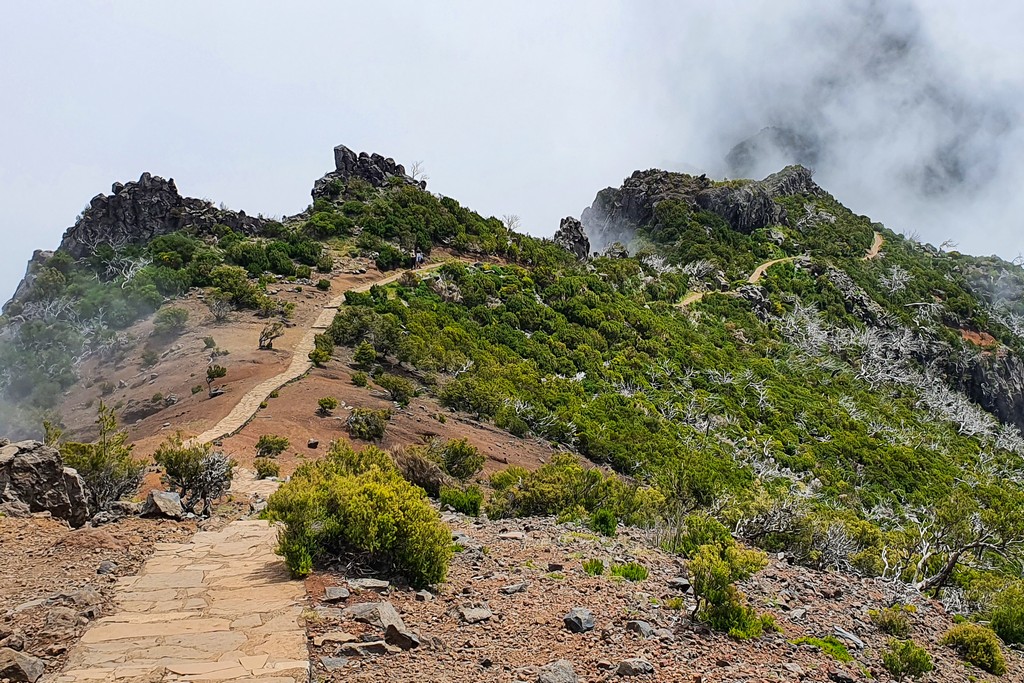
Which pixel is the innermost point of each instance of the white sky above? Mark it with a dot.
(523, 107)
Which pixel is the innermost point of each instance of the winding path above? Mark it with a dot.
(249, 404)
(755, 277)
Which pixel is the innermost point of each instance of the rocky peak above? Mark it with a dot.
(136, 212)
(751, 206)
(377, 170)
(570, 236)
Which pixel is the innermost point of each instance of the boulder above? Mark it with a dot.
(636, 666)
(336, 594)
(559, 671)
(571, 237)
(163, 504)
(377, 614)
(641, 628)
(377, 585)
(33, 479)
(579, 620)
(20, 667)
(405, 639)
(474, 615)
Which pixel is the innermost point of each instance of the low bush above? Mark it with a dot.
(323, 284)
(460, 459)
(905, 659)
(696, 529)
(209, 343)
(631, 571)
(271, 445)
(1007, 613)
(976, 645)
(467, 500)
(830, 645)
(714, 569)
(194, 471)
(360, 379)
(421, 470)
(399, 389)
(357, 501)
(170, 321)
(365, 355)
(368, 424)
(892, 620)
(603, 522)
(326, 405)
(594, 567)
(266, 468)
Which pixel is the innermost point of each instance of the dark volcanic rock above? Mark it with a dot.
(33, 479)
(993, 381)
(374, 169)
(571, 237)
(752, 206)
(136, 212)
(769, 145)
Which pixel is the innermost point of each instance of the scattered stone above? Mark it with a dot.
(334, 637)
(848, 637)
(560, 671)
(424, 596)
(555, 567)
(634, 667)
(681, 584)
(107, 567)
(514, 588)
(474, 615)
(640, 627)
(512, 536)
(18, 666)
(83, 597)
(407, 640)
(313, 444)
(15, 641)
(368, 585)
(794, 668)
(329, 613)
(374, 647)
(579, 620)
(62, 618)
(334, 663)
(797, 614)
(377, 614)
(163, 504)
(840, 676)
(664, 634)
(336, 594)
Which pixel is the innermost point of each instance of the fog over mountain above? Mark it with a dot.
(908, 111)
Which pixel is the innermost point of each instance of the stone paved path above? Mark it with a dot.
(219, 608)
(300, 364)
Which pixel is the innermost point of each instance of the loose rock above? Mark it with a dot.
(560, 671)
(579, 620)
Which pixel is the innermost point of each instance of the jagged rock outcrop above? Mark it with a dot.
(38, 260)
(33, 479)
(772, 146)
(571, 237)
(995, 381)
(375, 169)
(136, 212)
(752, 206)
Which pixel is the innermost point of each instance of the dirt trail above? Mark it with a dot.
(755, 277)
(876, 247)
(300, 364)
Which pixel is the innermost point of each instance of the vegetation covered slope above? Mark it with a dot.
(860, 413)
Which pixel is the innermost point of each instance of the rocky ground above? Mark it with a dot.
(501, 617)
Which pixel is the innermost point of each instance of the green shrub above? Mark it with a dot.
(368, 424)
(467, 500)
(421, 470)
(713, 571)
(365, 355)
(631, 571)
(209, 342)
(325, 405)
(196, 389)
(319, 357)
(696, 529)
(274, 394)
(194, 471)
(213, 373)
(170, 321)
(265, 467)
(461, 459)
(400, 389)
(323, 284)
(603, 522)
(150, 358)
(1007, 614)
(348, 502)
(906, 659)
(107, 467)
(976, 645)
(594, 567)
(892, 620)
(830, 645)
(360, 379)
(271, 445)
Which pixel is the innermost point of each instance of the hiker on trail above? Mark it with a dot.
(419, 258)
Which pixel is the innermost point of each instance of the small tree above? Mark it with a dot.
(905, 659)
(365, 355)
(220, 305)
(326, 405)
(400, 389)
(271, 331)
(196, 473)
(368, 424)
(713, 570)
(461, 459)
(271, 445)
(213, 373)
(107, 467)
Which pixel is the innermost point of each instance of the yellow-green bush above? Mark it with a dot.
(976, 645)
(467, 501)
(1007, 615)
(713, 571)
(368, 424)
(357, 500)
(904, 658)
(265, 468)
(892, 620)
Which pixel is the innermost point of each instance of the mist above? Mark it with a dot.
(908, 111)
